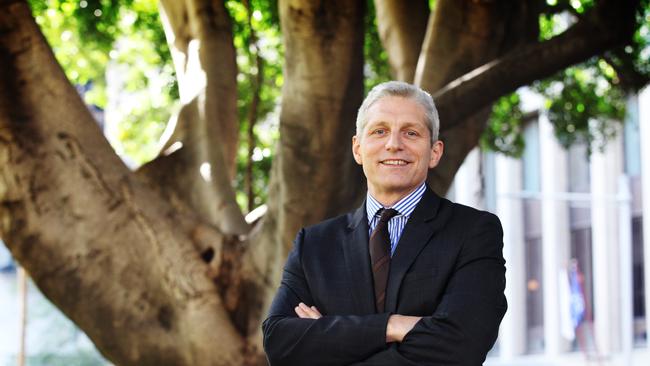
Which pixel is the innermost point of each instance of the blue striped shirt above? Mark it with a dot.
(405, 207)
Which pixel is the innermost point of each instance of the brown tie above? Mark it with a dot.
(380, 257)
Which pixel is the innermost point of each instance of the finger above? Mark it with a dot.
(309, 311)
(304, 312)
(301, 313)
(315, 309)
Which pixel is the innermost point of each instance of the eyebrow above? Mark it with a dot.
(405, 125)
(416, 124)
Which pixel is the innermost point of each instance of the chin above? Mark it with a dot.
(395, 187)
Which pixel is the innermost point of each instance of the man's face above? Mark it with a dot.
(395, 148)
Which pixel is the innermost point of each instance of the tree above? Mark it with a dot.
(158, 266)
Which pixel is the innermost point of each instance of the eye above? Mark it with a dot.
(379, 131)
(412, 133)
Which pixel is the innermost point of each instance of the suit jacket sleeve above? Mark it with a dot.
(331, 340)
(465, 324)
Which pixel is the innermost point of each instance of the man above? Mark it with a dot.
(407, 279)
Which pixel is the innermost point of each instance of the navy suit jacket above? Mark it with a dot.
(448, 268)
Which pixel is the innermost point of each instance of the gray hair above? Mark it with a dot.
(405, 90)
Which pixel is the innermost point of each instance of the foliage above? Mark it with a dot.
(92, 37)
(631, 61)
(81, 63)
(257, 38)
(586, 102)
(123, 41)
(376, 68)
(504, 132)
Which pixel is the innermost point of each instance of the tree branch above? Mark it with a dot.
(101, 245)
(207, 126)
(608, 25)
(182, 175)
(402, 26)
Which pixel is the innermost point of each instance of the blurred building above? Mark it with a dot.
(566, 211)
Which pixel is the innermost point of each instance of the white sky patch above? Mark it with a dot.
(258, 154)
(66, 35)
(257, 15)
(645, 54)
(128, 19)
(173, 147)
(206, 171)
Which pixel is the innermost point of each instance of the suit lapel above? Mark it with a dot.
(423, 223)
(357, 262)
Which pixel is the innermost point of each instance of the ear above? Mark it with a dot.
(356, 146)
(436, 153)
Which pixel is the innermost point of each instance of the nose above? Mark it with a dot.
(394, 142)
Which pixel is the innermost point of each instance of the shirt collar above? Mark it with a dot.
(405, 206)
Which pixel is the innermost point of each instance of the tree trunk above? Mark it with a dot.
(314, 175)
(461, 36)
(402, 25)
(612, 20)
(113, 256)
(200, 173)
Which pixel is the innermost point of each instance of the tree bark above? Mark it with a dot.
(113, 256)
(461, 36)
(200, 174)
(314, 175)
(199, 33)
(323, 88)
(505, 68)
(402, 25)
(613, 21)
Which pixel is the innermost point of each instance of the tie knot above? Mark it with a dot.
(387, 214)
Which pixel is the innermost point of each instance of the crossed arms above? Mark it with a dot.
(459, 331)
(396, 329)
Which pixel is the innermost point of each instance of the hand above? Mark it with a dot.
(306, 312)
(398, 326)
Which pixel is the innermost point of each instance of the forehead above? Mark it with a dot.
(395, 109)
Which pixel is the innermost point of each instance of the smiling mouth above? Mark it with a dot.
(394, 162)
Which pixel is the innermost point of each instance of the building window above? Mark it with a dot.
(632, 139)
(640, 331)
(534, 276)
(530, 158)
(534, 297)
(489, 180)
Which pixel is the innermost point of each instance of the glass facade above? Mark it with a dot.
(640, 331)
(581, 202)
